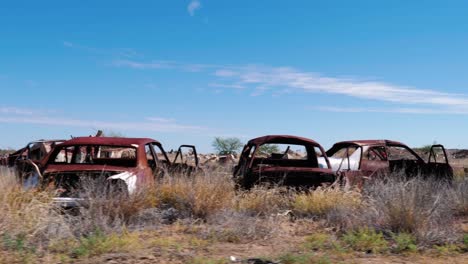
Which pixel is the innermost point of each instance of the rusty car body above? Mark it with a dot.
(33, 153)
(357, 160)
(286, 168)
(124, 163)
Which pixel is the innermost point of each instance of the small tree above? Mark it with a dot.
(267, 149)
(111, 133)
(426, 148)
(230, 145)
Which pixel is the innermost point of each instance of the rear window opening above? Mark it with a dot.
(286, 155)
(96, 154)
(282, 151)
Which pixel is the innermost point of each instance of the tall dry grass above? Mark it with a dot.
(27, 215)
(320, 202)
(200, 196)
(424, 208)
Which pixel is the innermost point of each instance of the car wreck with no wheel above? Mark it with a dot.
(293, 162)
(24, 159)
(356, 161)
(122, 164)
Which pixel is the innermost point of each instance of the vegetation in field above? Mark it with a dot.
(366, 240)
(198, 213)
(224, 146)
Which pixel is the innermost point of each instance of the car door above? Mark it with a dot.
(157, 160)
(186, 160)
(438, 164)
(402, 159)
(374, 161)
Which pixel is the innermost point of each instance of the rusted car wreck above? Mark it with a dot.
(358, 160)
(125, 164)
(24, 159)
(296, 164)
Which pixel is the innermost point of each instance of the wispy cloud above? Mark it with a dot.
(119, 52)
(161, 120)
(400, 110)
(145, 65)
(16, 111)
(193, 6)
(225, 73)
(221, 85)
(160, 64)
(280, 80)
(152, 124)
(285, 77)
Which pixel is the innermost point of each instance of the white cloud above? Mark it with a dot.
(16, 111)
(68, 44)
(225, 73)
(400, 110)
(159, 64)
(118, 52)
(193, 6)
(153, 124)
(313, 82)
(140, 65)
(285, 78)
(221, 85)
(281, 80)
(161, 120)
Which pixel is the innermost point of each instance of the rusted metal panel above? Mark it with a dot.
(117, 160)
(381, 157)
(278, 168)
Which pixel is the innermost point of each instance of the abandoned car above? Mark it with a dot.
(358, 160)
(34, 152)
(284, 160)
(124, 163)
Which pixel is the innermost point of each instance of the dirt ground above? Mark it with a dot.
(289, 238)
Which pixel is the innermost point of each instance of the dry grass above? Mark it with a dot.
(322, 201)
(200, 196)
(420, 207)
(208, 207)
(27, 216)
(459, 196)
(262, 201)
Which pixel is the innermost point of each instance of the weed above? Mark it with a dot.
(366, 240)
(318, 241)
(99, 243)
(448, 249)
(203, 260)
(307, 258)
(404, 243)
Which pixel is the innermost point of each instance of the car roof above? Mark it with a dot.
(370, 142)
(109, 141)
(284, 139)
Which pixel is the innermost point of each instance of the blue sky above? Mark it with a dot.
(187, 71)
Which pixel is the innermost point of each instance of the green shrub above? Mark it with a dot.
(17, 243)
(317, 241)
(367, 240)
(448, 249)
(98, 243)
(290, 258)
(404, 242)
(203, 260)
